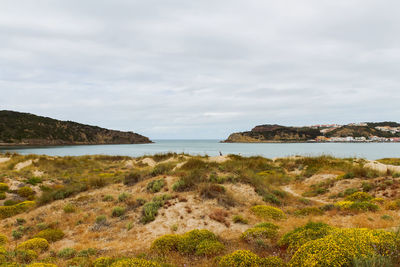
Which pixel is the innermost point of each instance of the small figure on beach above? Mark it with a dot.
(220, 153)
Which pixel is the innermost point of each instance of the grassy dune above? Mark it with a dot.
(176, 209)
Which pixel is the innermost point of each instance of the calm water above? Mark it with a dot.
(212, 148)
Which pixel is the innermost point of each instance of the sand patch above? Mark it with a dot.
(21, 165)
(375, 165)
(2, 160)
(218, 159)
(318, 178)
(149, 161)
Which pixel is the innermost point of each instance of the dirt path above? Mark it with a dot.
(289, 189)
(22, 165)
(375, 165)
(4, 160)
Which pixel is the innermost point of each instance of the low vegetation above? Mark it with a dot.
(181, 210)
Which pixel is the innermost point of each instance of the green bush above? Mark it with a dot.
(101, 219)
(87, 252)
(239, 219)
(36, 244)
(301, 235)
(3, 187)
(118, 211)
(108, 198)
(3, 240)
(150, 209)
(155, 186)
(261, 231)
(209, 248)
(2, 195)
(359, 196)
(69, 208)
(67, 253)
(26, 256)
(268, 212)
(123, 196)
(51, 235)
(34, 181)
(166, 243)
(25, 191)
(41, 264)
(309, 211)
(163, 168)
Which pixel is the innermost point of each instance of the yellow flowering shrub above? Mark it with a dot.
(26, 256)
(357, 206)
(79, 261)
(246, 258)
(51, 235)
(166, 243)
(40, 264)
(199, 242)
(341, 246)
(261, 231)
(209, 247)
(393, 205)
(135, 262)
(378, 200)
(9, 211)
(359, 196)
(268, 212)
(103, 262)
(3, 240)
(3, 254)
(301, 235)
(36, 244)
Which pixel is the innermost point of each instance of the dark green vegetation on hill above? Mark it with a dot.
(279, 133)
(27, 129)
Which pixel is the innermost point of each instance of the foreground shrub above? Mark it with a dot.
(25, 191)
(239, 219)
(356, 206)
(51, 235)
(3, 240)
(340, 247)
(135, 262)
(150, 209)
(3, 187)
(36, 244)
(133, 178)
(118, 211)
(268, 212)
(69, 208)
(195, 242)
(242, 258)
(359, 196)
(9, 211)
(155, 186)
(66, 253)
(103, 262)
(301, 235)
(41, 264)
(261, 231)
(309, 211)
(26, 256)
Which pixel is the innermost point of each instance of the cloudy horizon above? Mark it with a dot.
(201, 69)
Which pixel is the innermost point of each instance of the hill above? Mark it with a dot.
(18, 128)
(274, 133)
(180, 210)
(279, 133)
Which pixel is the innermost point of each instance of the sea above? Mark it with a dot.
(369, 151)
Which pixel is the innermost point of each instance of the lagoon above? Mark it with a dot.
(213, 147)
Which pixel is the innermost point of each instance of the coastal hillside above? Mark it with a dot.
(353, 132)
(18, 128)
(181, 210)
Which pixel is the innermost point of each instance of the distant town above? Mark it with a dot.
(326, 128)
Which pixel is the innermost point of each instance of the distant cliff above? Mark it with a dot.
(18, 128)
(277, 133)
(274, 133)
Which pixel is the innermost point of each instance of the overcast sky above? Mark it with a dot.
(201, 69)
